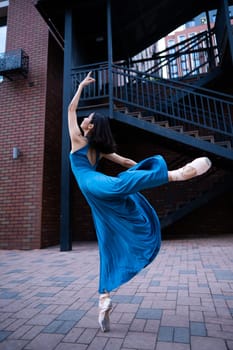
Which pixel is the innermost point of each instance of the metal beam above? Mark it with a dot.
(110, 57)
(65, 234)
(174, 135)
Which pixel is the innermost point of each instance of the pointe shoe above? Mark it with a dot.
(105, 307)
(197, 167)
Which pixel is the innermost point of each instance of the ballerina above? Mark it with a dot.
(127, 226)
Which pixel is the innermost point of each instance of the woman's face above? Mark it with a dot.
(86, 124)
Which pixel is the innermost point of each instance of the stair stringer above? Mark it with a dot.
(181, 210)
(173, 135)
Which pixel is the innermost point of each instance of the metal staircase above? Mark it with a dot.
(202, 119)
(196, 117)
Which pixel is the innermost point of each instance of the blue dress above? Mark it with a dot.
(127, 226)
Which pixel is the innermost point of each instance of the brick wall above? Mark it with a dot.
(22, 124)
(30, 118)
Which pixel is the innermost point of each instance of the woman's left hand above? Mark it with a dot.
(88, 80)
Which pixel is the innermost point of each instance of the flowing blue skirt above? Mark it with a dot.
(127, 226)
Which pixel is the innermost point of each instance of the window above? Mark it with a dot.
(203, 20)
(3, 27)
(191, 23)
(2, 34)
(170, 42)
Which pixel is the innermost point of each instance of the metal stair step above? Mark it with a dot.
(137, 114)
(149, 119)
(163, 123)
(209, 138)
(121, 109)
(178, 128)
(194, 133)
(226, 144)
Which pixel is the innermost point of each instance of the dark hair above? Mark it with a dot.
(100, 137)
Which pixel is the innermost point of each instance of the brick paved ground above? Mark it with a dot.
(182, 301)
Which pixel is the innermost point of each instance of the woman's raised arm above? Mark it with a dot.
(74, 129)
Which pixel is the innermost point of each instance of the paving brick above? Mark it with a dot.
(172, 346)
(4, 335)
(184, 294)
(44, 341)
(207, 343)
(114, 344)
(73, 335)
(16, 344)
(198, 328)
(149, 314)
(87, 336)
(138, 340)
(181, 335)
(230, 345)
(152, 326)
(67, 346)
(98, 343)
(138, 325)
(175, 321)
(165, 334)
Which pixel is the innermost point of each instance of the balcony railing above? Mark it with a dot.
(14, 64)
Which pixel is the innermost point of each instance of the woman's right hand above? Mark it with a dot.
(88, 80)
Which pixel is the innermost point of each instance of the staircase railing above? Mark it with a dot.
(195, 55)
(204, 108)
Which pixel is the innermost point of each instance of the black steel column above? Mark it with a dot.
(65, 233)
(210, 43)
(110, 59)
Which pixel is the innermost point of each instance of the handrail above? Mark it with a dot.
(134, 74)
(194, 55)
(79, 72)
(190, 49)
(175, 101)
(179, 101)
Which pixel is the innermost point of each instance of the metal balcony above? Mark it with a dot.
(14, 64)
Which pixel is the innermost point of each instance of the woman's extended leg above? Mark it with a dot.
(105, 307)
(197, 167)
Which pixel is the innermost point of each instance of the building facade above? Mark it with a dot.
(30, 140)
(30, 126)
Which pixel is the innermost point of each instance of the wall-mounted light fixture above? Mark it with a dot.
(15, 153)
